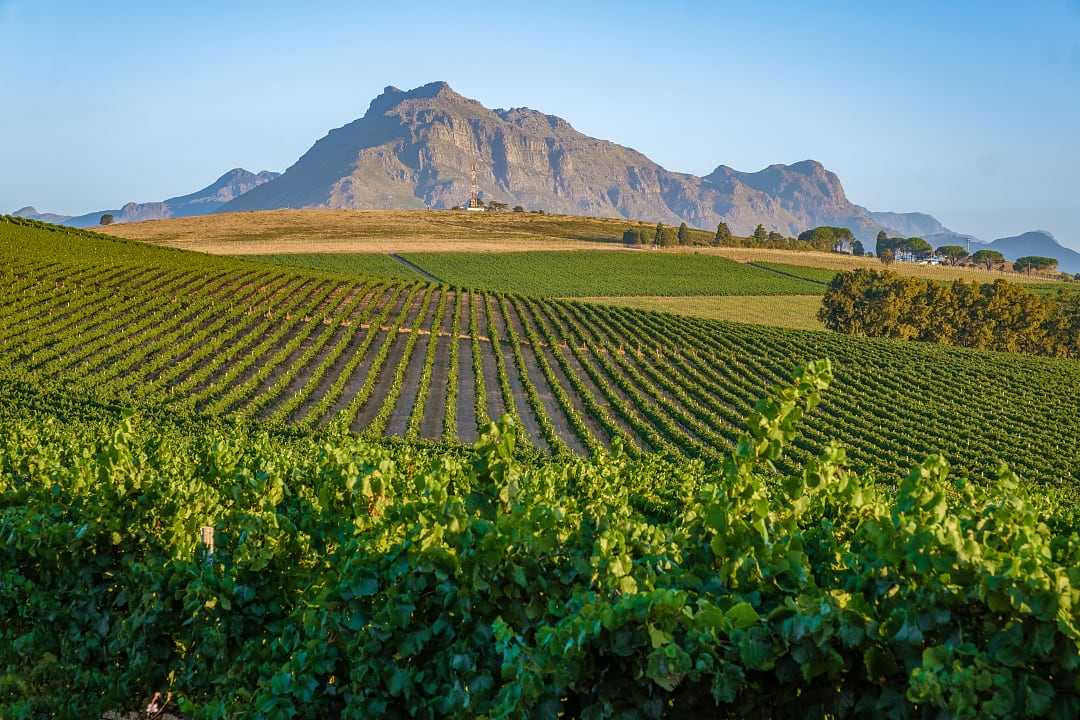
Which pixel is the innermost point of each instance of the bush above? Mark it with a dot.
(351, 580)
(994, 316)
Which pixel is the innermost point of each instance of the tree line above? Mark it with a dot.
(665, 237)
(920, 249)
(990, 316)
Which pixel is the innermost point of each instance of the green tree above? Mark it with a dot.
(519, 209)
(988, 258)
(887, 243)
(106, 219)
(659, 236)
(723, 235)
(1035, 263)
(882, 237)
(887, 256)
(857, 248)
(952, 254)
(917, 247)
(631, 236)
(667, 237)
(760, 236)
(828, 238)
(684, 234)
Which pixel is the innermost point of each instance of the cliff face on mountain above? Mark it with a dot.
(417, 148)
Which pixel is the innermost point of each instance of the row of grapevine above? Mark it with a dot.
(434, 363)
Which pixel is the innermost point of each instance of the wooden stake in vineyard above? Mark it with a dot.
(206, 537)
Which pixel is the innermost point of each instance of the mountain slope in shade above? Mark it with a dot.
(231, 185)
(416, 148)
(1036, 242)
(912, 224)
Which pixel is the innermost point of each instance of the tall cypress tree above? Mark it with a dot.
(723, 235)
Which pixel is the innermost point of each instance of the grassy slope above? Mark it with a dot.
(797, 312)
(282, 231)
(823, 275)
(569, 274)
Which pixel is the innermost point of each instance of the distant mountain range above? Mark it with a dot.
(201, 202)
(419, 149)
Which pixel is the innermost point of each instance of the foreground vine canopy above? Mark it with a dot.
(356, 580)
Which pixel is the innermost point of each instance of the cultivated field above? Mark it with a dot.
(189, 334)
(358, 264)
(578, 273)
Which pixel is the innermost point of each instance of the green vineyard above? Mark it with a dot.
(238, 489)
(196, 335)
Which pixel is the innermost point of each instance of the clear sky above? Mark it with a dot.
(967, 110)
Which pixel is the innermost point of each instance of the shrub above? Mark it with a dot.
(992, 316)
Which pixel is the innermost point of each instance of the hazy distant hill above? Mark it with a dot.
(416, 148)
(227, 187)
(1037, 242)
(31, 212)
(912, 224)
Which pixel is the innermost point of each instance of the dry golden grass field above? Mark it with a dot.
(375, 231)
(401, 231)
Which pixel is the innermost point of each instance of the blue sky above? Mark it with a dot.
(970, 112)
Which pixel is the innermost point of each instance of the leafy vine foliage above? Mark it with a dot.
(361, 580)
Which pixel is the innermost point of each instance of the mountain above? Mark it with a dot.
(417, 148)
(1036, 242)
(912, 224)
(31, 212)
(229, 186)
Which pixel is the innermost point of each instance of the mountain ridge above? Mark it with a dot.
(416, 148)
(228, 186)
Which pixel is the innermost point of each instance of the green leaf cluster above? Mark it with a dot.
(351, 579)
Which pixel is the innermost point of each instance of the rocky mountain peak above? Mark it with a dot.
(527, 118)
(416, 148)
(391, 97)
